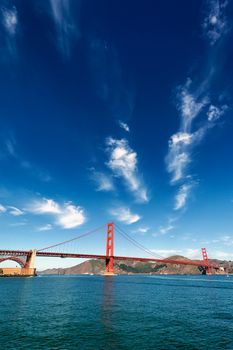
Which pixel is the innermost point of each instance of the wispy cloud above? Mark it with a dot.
(10, 149)
(226, 240)
(15, 211)
(123, 163)
(10, 146)
(2, 209)
(192, 253)
(215, 23)
(9, 209)
(66, 215)
(197, 112)
(222, 255)
(214, 112)
(124, 126)
(107, 78)
(124, 214)
(192, 103)
(143, 229)
(9, 19)
(35, 171)
(165, 229)
(45, 206)
(18, 224)
(67, 30)
(182, 196)
(46, 227)
(103, 182)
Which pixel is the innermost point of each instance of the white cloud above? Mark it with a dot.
(215, 23)
(42, 175)
(143, 229)
(214, 113)
(177, 162)
(215, 241)
(226, 240)
(15, 211)
(16, 224)
(192, 253)
(45, 227)
(11, 150)
(124, 214)
(10, 146)
(165, 229)
(123, 163)
(182, 138)
(66, 28)
(222, 255)
(182, 196)
(2, 209)
(182, 142)
(124, 126)
(11, 210)
(103, 181)
(191, 104)
(10, 20)
(67, 215)
(108, 78)
(72, 216)
(45, 206)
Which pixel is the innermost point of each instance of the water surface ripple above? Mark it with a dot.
(120, 312)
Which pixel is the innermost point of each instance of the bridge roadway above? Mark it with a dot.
(103, 257)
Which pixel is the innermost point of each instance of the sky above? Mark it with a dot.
(117, 111)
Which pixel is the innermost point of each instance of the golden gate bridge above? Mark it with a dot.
(26, 258)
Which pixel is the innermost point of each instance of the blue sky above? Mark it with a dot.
(117, 110)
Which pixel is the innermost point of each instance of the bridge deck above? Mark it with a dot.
(103, 257)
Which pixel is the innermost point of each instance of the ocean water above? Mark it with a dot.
(120, 312)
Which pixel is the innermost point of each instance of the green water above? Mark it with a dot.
(120, 312)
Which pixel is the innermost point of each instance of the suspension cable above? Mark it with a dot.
(73, 239)
(135, 243)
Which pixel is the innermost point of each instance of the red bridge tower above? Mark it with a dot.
(109, 267)
(206, 261)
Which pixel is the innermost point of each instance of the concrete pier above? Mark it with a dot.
(17, 271)
(27, 269)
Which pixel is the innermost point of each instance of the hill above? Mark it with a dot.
(129, 267)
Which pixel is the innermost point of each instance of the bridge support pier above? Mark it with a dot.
(29, 268)
(26, 269)
(109, 262)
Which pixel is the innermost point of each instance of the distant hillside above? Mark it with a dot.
(131, 267)
(89, 266)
